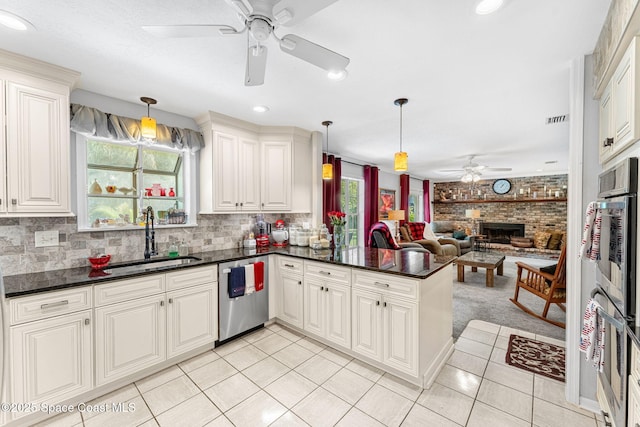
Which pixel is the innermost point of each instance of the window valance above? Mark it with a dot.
(93, 122)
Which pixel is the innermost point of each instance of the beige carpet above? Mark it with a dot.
(473, 300)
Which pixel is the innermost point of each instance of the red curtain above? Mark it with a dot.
(404, 195)
(331, 189)
(426, 185)
(370, 198)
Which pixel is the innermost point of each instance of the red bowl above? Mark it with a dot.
(99, 262)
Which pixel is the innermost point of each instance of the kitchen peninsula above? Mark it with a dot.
(392, 309)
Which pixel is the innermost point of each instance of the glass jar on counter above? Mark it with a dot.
(303, 237)
(293, 235)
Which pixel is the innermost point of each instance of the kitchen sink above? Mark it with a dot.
(151, 264)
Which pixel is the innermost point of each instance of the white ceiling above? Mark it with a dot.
(479, 85)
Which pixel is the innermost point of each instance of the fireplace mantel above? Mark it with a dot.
(523, 200)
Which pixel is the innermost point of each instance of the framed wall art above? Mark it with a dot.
(386, 203)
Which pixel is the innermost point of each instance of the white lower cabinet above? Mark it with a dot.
(192, 318)
(327, 310)
(385, 328)
(51, 359)
(130, 336)
(291, 291)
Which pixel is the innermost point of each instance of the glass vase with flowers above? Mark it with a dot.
(337, 220)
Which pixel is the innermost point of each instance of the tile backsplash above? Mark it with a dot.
(19, 255)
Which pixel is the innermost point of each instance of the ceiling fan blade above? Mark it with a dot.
(290, 12)
(498, 169)
(256, 65)
(190, 30)
(451, 170)
(243, 7)
(313, 53)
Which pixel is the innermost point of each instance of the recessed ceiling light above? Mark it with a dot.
(337, 75)
(485, 7)
(14, 22)
(260, 108)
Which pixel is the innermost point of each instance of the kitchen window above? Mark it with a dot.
(416, 213)
(352, 203)
(118, 181)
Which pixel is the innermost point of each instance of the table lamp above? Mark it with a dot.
(396, 216)
(474, 214)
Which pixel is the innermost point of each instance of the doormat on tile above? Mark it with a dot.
(536, 356)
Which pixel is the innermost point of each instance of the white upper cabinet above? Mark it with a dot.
(35, 138)
(620, 106)
(248, 168)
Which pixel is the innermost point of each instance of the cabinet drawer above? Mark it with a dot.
(191, 276)
(290, 264)
(125, 290)
(49, 304)
(386, 283)
(635, 361)
(328, 272)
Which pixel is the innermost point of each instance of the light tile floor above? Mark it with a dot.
(277, 377)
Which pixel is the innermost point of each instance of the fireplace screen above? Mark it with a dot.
(501, 232)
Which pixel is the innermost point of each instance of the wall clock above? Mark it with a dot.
(501, 186)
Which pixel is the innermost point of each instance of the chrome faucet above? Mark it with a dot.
(149, 235)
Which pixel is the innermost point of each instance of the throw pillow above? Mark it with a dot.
(459, 234)
(541, 239)
(405, 234)
(555, 240)
(417, 230)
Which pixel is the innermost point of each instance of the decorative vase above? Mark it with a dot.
(338, 236)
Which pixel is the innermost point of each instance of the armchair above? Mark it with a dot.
(380, 238)
(414, 232)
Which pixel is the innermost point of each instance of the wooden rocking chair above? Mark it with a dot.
(549, 287)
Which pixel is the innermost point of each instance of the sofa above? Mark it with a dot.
(449, 230)
(380, 237)
(414, 232)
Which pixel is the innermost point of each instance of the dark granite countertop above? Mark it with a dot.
(405, 263)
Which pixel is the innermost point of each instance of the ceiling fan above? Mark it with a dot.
(472, 171)
(261, 18)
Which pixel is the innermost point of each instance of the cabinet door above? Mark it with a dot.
(130, 336)
(366, 324)
(38, 179)
(51, 359)
(276, 175)
(633, 416)
(225, 175)
(192, 318)
(314, 313)
(338, 314)
(623, 100)
(605, 143)
(291, 302)
(249, 174)
(3, 141)
(400, 329)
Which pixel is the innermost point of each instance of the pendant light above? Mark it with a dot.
(148, 123)
(327, 168)
(400, 162)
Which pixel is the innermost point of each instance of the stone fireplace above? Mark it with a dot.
(501, 232)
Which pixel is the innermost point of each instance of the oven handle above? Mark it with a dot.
(615, 322)
(610, 205)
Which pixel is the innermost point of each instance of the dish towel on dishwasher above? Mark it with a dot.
(593, 335)
(590, 244)
(236, 282)
(249, 281)
(258, 275)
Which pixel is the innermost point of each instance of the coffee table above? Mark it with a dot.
(486, 260)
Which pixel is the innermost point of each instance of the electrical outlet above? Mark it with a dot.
(47, 238)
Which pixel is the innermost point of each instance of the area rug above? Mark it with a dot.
(536, 356)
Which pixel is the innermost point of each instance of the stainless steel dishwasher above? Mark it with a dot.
(243, 313)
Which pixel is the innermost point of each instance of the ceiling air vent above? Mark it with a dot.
(557, 119)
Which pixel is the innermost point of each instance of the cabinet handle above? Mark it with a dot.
(0, 201)
(236, 204)
(377, 302)
(14, 201)
(328, 273)
(54, 304)
(87, 321)
(289, 265)
(170, 300)
(299, 282)
(263, 204)
(608, 142)
(321, 288)
(241, 204)
(639, 382)
(161, 303)
(326, 289)
(385, 304)
(384, 285)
